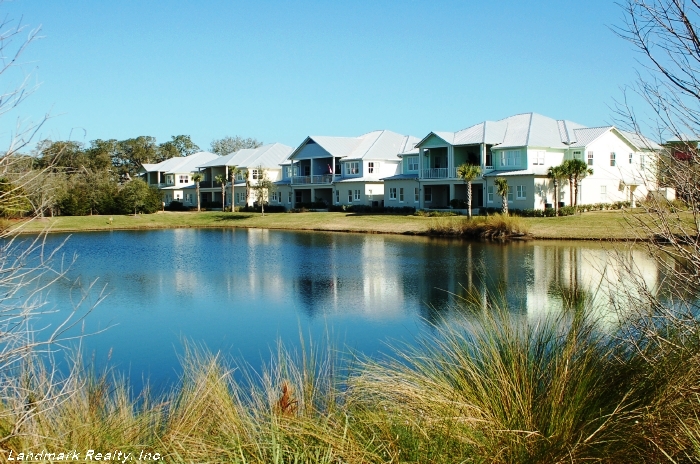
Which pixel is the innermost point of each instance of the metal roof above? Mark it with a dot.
(376, 145)
(180, 164)
(268, 156)
(401, 177)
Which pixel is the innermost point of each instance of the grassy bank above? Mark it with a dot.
(488, 389)
(597, 225)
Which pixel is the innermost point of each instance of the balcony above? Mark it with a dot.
(438, 173)
(323, 179)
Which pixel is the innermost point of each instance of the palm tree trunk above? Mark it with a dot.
(199, 208)
(504, 207)
(556, 199)
(571, 192)
(223, 196)
(469, 200)
(576, 192)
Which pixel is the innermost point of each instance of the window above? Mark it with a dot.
(352, 168)
(357, 195)
(392, 193)
(307, 170)
(370, 167)
(184, 179)
(169, 179)
(538, 157)
(520, 192)
(337, 196)
(603, 193)
(287, 172)
(631, 158)
(240, 176)
(401, 195)
(416, 194)
(642, 161)
(255, 174)
(289, 198)
(413, 163)
(612, 159)
(428, 195)
(349, 196)
(510, 193)
(577, 155)
(590, 158)
(510, 158)
(489, 194)
(274, 197)
(489, 159)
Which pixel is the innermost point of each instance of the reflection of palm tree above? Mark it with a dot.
(197, 178)
(222, 179)
(502, 190)
(469, 172)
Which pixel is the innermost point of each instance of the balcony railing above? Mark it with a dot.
(439, 173)
(323, 179)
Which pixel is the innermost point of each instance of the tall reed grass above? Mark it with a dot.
(495, 226)
(485, 387)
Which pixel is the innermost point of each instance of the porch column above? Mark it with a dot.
(482, 156)
(311, 171)
(450, 161)
(333, 173)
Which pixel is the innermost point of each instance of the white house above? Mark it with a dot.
(173, 177)
(342, 170)
(246, 164)
(522, 148)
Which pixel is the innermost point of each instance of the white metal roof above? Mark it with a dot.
(268, 156)
(180, 164)
(376, 145)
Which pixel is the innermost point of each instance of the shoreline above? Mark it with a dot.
(590, 226)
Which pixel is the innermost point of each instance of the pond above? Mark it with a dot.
(239, 291)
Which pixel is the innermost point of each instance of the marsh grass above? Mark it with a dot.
(495, 226)
(486, 386)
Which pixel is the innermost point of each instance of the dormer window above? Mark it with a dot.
(352, 167)
(370, 167)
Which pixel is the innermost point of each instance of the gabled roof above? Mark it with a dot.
(268, 156)
(376, 145)
(180, 164)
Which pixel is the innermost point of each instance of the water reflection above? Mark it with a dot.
(240, 290)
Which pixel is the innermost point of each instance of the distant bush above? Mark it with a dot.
(458, 204)
(367, 209)
(311, 205)
(176, 206)
(567, 211)
(496, 226)
(257, 209)
(429, 213)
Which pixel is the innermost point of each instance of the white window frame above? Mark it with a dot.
(352, 168)
(613, 157)
(401, 195)
(510, 194)
(590, 158)
(510, 158)
(240, 175)
(274, 197)
(370, 167)
(538, 157)
(289, 197)
(520, 192)
(578, 155)
(603, 193)
(413, 163)
(349, 195)
(631, 158)
(642, 161)
(184, 179)
(254, 174)
(357, 195)
(337, 196)
(392, 193)
(489, 194)
(428, 194)
(489, 156)
(416, 194)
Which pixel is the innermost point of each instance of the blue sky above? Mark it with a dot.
(281, 70)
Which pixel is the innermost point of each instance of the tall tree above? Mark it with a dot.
(468, 172)
(197, 178)
(227, 145)
(180, 145)
(502, 190)
(576, 170)
(556, 173)
(262, 187)
(221, 179)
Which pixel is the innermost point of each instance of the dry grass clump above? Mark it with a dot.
(495, 226)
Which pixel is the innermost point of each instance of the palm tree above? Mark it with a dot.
(556, 173)
(576, 171)
(222, 179)
(502, 190)
(197, 178)
(235, 171)
(469, 172)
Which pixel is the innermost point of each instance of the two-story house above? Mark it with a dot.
(342, 170)
(522, 148)
(173, 177)
(242, 169)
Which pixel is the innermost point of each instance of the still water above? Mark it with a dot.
(239, 291)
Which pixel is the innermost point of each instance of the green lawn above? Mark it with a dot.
(592, 225)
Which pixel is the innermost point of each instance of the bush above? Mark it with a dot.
(458, 204)
(311, 205)
(257, 209)
(176, 206)
(496, 226)
(405, 210)
(567, 211)
(137, 197)
(428, 213)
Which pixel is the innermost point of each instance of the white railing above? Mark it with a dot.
(437, 173)
(301, 179)
(324, 179)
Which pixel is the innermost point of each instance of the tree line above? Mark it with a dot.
(74, 179)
